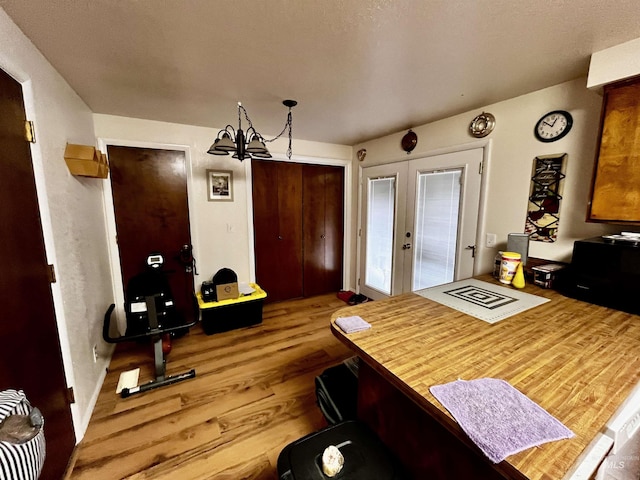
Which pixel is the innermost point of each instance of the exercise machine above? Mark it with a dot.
(151, 315)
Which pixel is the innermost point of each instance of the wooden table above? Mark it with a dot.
(576, 360)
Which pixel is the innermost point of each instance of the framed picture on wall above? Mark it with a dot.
(220, 185)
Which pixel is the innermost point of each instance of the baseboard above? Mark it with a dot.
(86, 418)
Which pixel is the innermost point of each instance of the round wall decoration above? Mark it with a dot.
(482, 125)
(409, 141)
(553, 126)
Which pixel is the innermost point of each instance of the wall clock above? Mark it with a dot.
(482, 125)
(553, 126)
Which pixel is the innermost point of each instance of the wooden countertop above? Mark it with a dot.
(576, 360)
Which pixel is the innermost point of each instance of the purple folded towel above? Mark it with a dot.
(497, 417)
(352, 324)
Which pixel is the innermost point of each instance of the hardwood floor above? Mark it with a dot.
(253, 394)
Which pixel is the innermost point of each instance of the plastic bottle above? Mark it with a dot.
(496, 264)
(518, 278)
(510, 262)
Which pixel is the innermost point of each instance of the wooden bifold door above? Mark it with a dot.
(298, 222)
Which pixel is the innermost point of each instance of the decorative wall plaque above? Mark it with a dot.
(545, 195)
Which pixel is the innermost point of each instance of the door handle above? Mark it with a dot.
(473, 250)
(406, 246)
(186, 259)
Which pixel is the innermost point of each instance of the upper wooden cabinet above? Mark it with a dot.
(615, 196)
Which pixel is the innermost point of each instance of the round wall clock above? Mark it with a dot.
(553, 126)
(482, 125)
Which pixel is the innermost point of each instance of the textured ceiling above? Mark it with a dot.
(359, 69)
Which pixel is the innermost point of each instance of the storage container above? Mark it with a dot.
(233, 313)
(337, 391)
(365, 456)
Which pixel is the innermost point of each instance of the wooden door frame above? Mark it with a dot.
(482, 207)
(49, 243)
(114, 251)
(348, 194)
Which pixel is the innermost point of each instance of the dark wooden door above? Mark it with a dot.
(277, 217)
(323, 194)
(152, 215)
(298, 227)
(31, 358)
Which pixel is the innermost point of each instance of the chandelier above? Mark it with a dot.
(250, 144)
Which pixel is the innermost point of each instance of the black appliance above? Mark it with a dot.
(208, 291)
(604, 271)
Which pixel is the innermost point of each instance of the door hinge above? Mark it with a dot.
(71, 397)
(29, 131)
(480, 168)
(358, 282)
(52, 273)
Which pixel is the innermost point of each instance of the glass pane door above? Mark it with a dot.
(380, 228)
(443, 202)
(436, 228)
(382, 224)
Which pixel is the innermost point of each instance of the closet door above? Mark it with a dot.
(277, 218)
(323, 193)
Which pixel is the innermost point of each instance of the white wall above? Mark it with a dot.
(512, 150)
(221, 231)
(72, 215)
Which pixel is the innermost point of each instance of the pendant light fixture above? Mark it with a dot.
(250, 144)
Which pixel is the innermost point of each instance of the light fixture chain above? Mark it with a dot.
(287, 125)
(290, 123)
(281, 133)
(246, 116)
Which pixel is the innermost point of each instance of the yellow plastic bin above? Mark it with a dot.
(233, 313)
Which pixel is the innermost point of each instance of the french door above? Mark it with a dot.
(419, 222)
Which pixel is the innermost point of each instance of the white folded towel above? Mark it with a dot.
(352, 324)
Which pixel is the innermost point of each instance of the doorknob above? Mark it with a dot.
(406, 246)
(473, 250)
(186, 258)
